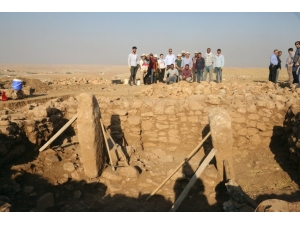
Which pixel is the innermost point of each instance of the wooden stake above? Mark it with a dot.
(58, 133)
(180, 165)
(107, 147)
(193, 180)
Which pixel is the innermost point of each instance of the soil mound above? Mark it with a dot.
(38, 86)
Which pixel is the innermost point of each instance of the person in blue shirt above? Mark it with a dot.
(273, 66)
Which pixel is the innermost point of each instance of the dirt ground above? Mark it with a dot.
(263, 173)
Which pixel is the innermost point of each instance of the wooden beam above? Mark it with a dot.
(180, 165)
(59, 133)
(193, 180)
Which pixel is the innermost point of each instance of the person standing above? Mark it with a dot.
(278, 66)
(156, 69)
(209, 63)
(273, 66)
(289, 64)
(133, 62)
(187, 60)
(143, 66)
(219, 64)
(200, 63)
(178, 65)
(170, 59)
(182, 54)
(152, 67)
(296, 61)
(162, 68)
(194, 66)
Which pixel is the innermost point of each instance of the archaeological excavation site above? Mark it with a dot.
(99, 146)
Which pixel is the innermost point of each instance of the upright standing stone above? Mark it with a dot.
(90, 135)
(222, 139)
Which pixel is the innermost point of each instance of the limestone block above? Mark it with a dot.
(193, 119)
(150, 114)
(90, 135)
(242, 131)
(261, 126)
(147, 125)
(270, 105)
(128, 171)
(193, 105)
(161, 126)
(120, 112)
(251, 131)
(253, 117)
(241, 110)
(251, 109)
(255, 139)
(134, 120)
(170, 110)
(240, 120)
(222, 138)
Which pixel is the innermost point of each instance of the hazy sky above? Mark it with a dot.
(246, 39)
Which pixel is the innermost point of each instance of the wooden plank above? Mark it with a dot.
(107, 147)
(193, 180)
(58, 133)
(180, 165)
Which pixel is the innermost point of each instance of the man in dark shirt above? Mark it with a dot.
(200, 63)
(296, 62)
(278, 66)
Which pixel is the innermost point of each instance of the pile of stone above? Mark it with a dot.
(78, 81)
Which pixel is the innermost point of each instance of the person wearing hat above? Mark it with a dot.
(133, 62)
(194, 66)
(162, 67)
(182, 54)
(178, 64)
(187, 61)
(144, 65)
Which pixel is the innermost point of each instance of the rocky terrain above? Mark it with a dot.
(158, 125)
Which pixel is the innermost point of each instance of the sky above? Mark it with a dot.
(247, 39)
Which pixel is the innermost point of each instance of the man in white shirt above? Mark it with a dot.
(170, 59)
(209, 64)
(133, 62)
(162, 66)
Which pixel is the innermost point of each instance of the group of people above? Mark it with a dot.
(292, 65)
(171, 69)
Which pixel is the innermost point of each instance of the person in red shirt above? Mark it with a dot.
(152, 67)
(187, 74)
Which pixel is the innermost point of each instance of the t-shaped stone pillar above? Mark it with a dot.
(90, 135)
(222, 140)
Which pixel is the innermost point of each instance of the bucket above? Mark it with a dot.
(17, 84)
(126, 81)
(138, 82)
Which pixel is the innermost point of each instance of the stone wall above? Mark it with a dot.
(173, 117)
(28, 128)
